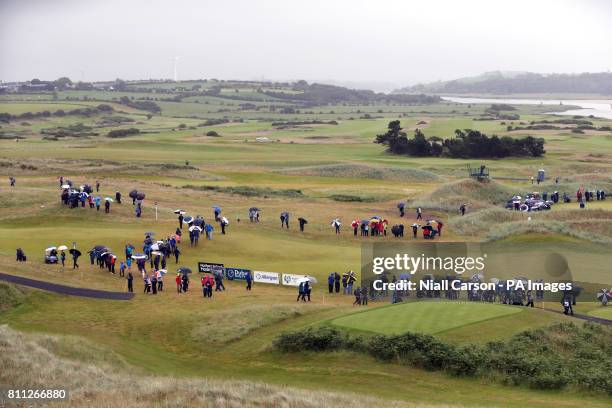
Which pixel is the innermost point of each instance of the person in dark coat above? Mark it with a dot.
(75, 257)
(130, 282)
(180, 221)
(249, 280)
(63, 258)
(330, 282)
(154, 283)
(302, 223)
(177, 253)
(337, 282)
(415, 229)
(97, 186)
(118, 197)
(107, 206)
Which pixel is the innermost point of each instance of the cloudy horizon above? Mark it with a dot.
(385, 43)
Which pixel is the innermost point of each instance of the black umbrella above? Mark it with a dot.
(401, 204)
(87, 188)
(304, 220)
(75, 252)
(100, 248)
(133, 193)
(253, 209)
(184, 270)
(140, 196)
(69, 182)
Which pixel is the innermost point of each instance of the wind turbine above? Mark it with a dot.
(176, 59)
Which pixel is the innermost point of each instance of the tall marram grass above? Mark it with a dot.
(100, 379)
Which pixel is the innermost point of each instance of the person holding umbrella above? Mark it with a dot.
(355, 224)
(97, 200)
(302, 222)
(401, 206)
(133, 195)
(336, 224)
(107, 206)
(284, 217)
(217, 211)
(180, 220)
(75, 256)
(224, 223)
(415, 228)
(63, 258)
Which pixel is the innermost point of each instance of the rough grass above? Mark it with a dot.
(352, 170)
(94, 380)
(10, 296)
(233, 324)
(593, 225)
(476, 195)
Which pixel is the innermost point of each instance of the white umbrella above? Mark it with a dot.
(155, 247)
(307, 279)
(65, 186)
(179, 211)
(62, 248)
(225, 220)
(195, 227)
(109, 199)
(50, 249)
(137, 257)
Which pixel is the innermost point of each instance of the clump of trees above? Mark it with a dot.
(467, 143)
(123, 132)
(140, 104)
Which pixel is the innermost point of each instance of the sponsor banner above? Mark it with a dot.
(266, 277)
(291, 279)
(236, 273)
(207, 267)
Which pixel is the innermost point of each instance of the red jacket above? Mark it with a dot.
(178, 280)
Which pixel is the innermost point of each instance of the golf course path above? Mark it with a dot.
(66, 290)
(600, 320)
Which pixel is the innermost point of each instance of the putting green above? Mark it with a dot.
(423, 317)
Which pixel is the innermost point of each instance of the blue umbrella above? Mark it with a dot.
(188, 219)
(376, 217)
(217, 208)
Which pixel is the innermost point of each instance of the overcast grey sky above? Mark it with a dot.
(403, 42)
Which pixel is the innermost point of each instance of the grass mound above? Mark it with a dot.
(351, 170)
(593, 225)
(422, 317)
(476, 195)
(33, 361)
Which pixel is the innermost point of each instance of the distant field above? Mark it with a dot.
(423, 317)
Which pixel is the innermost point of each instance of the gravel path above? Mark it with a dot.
(66, 290)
